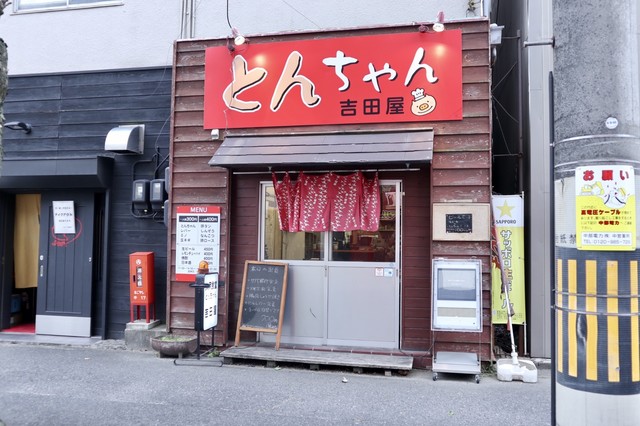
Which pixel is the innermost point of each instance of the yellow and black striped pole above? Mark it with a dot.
(597, 335)
(596, 294)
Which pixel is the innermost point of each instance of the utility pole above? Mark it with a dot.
(596, 184)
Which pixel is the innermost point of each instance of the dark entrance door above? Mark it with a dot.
(65, 268)
(6, 258)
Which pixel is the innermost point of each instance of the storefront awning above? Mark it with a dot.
(56, 173)
(259, 152)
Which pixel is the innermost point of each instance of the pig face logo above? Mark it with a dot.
(422, 103)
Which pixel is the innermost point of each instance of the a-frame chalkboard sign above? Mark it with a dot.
(264, 289)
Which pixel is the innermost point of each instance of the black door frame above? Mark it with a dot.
(7, 213)
(23, 175)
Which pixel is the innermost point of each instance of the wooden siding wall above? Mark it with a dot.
(460, 171)
(194, 182)
(71, 115)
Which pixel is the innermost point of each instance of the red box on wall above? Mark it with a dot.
(142, 283)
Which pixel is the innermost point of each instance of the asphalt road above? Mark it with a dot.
(59, 385)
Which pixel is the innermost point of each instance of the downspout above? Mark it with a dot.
(187, 20)
(486, 7)
(552, 250)
(105, 262)
(520, 125)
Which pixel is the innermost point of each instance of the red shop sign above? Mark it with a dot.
(386, 78)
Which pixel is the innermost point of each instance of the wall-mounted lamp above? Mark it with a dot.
(438, 26)
(238, 39)
(18, 125)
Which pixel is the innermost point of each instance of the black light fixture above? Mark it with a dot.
(18, 125)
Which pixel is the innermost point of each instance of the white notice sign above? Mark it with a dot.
(210, 311)
(64, 218)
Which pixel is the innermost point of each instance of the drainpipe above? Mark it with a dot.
(105, 262)
(187, 20)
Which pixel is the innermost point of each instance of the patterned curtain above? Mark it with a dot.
(324, 202)
(288, 201)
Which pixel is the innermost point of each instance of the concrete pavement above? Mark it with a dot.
(104, 384)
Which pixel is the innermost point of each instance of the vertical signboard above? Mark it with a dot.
(197, 238)
(206, 301)
(605, 208)
(508, 222)
(210, 302)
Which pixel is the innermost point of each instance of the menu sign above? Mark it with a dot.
(384, 78)
(197, 238)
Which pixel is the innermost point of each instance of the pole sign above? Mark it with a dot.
(384, 78)
(210, 302)
(605, 208)
(206, 301)
(197, 238)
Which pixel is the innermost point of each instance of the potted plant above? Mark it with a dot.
(174, 345)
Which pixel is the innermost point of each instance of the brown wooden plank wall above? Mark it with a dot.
(193, 182)
(460, 171)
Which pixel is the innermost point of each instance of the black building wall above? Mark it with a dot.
(71, 115)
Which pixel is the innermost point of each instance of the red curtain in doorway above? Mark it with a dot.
(328, 201)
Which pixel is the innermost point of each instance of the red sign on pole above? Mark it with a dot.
(386, 78)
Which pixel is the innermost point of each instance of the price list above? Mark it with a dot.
(197, 238)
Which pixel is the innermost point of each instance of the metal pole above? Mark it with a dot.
(552, 256)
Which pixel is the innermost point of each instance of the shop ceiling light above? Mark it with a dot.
(438, 26)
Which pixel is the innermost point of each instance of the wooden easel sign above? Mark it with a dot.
(264, 290)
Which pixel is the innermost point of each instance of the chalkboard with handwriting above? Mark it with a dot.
(459, 223)
(264, 289)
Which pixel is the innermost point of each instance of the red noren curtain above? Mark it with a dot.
(328, 201)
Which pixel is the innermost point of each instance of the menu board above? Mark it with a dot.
(197, 239)
(264, 288)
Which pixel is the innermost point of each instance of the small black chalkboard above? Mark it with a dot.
(264, 289)
(459, 223)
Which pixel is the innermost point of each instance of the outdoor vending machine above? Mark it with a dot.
(142, 286)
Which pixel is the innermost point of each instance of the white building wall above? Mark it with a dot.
(140, 33)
